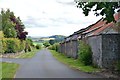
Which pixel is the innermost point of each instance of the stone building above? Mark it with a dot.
(103, 38)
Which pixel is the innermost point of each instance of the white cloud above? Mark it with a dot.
(61, 30)
(49, 17)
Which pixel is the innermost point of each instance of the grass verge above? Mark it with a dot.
(73, 63)
(8, 70)
(28, 54)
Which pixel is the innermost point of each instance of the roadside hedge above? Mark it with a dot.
(12, 45)
(1, 37)
(0, 46)
(54, 47)
(38, 46)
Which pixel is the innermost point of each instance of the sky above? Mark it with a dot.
(49, 17)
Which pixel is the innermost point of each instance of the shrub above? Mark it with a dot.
(28, 45)
(22, 46)
(46, 44)
(11, 48)
(54, 47)
(1, 37)
(30, 42)
(38, 46)
(12, 45)
(85, 53)
(57, 46)
(1, 51)
(29, 48)
(1, 34)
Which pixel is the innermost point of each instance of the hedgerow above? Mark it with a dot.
(12, 45)
(54, 47)
(38, 46)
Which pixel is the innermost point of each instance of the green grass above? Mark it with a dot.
(73, 63)
(35, 43)
(28, 54)
(8, 70)
(40, 43)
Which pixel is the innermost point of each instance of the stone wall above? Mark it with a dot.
(95, 43)
(74, 48)
(110, 50)
(69, 48)
(106, 49)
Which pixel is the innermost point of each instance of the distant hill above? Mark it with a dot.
(57, 38)
(46, 38)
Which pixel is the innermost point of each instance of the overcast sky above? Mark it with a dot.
(49, 17)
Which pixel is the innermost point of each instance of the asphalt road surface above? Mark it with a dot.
(44, 65)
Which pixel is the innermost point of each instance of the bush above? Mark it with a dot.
(12, 45)
(46, 44)
(11, 48)
(30, 42)
(38, 46)
(57, 47)
(28, 45)
(85, 53)
(1, 34)
(29, 49)
(54, 47)
(1, 37)
(1, 46)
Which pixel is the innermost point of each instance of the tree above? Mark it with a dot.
(106, 9)
(7, 26)
(10, 31)
(52, 42)
(46, 44)
(12, 26)
(21, 34)
(0, 22)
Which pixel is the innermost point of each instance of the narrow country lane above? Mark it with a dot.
(44, 65)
